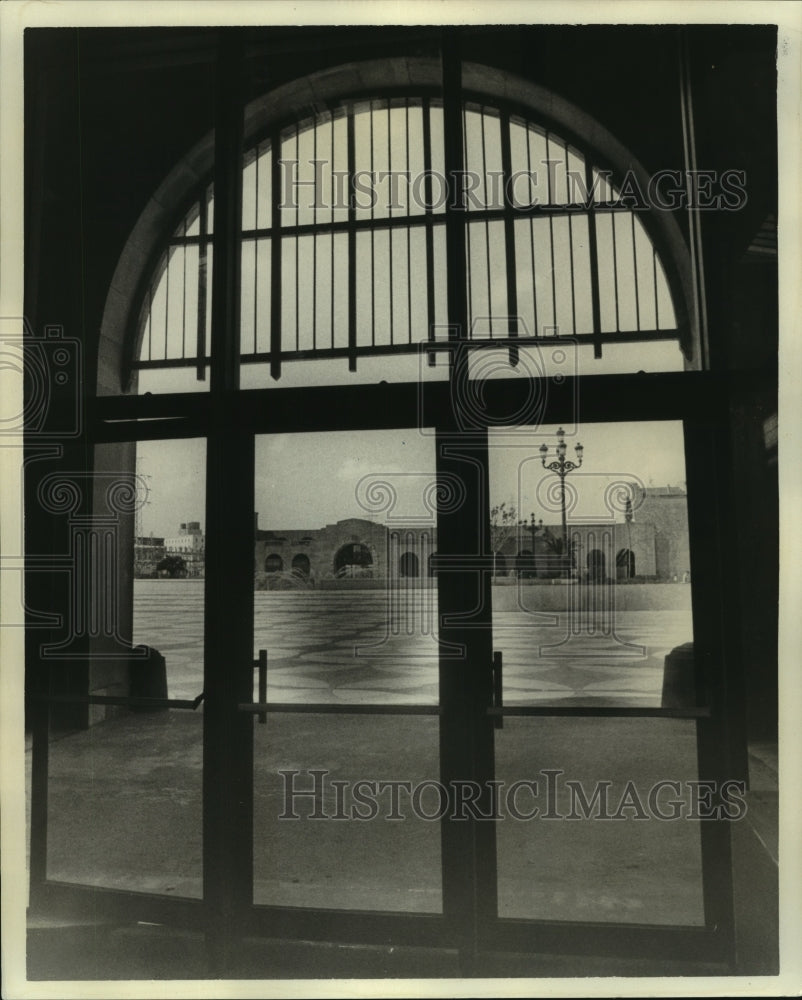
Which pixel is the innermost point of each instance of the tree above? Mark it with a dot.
(503, 525)
(173, 566)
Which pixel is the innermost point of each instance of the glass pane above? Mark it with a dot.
(357, 843)
(169, 557)
(135, 535)
(617, 833)
(345, 599)
(124, 804)
(591, 585)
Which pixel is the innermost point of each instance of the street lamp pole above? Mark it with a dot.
(561, 466)
(532, 527)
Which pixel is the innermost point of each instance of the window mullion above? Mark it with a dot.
(509, 241)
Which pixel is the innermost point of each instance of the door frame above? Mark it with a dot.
(468, 922)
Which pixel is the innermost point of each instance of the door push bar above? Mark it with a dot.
(261, 666)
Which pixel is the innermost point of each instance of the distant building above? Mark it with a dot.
(652, 546)
(148, 553)
(190, 545)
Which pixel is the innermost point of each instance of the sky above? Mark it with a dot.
(310, 480)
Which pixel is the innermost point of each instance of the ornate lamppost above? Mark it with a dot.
(561, 466)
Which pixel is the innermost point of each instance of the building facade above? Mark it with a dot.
(652, 546)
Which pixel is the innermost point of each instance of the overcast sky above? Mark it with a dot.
(310, 480)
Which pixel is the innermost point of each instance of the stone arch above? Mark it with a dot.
(408, 565)
(625, 564)
(596, 563)
(353, 559)
(301, 564)
(274, 563)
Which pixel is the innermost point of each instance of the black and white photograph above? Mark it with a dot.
(398, 436)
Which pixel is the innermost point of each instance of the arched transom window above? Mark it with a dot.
(344, 251)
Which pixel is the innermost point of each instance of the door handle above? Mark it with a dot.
(498, 720)
(261, 666)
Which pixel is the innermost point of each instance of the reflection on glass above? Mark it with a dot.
(345, 601)
(617, 835)
(352, 855)
(591, 581)
(124, 804)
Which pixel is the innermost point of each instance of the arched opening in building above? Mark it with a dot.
(625, 564)
(596, 566)
(300, 564)
(274, 563)
(408, 565)
(353, 559)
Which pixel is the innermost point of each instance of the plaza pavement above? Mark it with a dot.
(351, 647)
(125, 795)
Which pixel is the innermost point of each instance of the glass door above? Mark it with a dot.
(613, 794)
(118, 729)
(345, 692)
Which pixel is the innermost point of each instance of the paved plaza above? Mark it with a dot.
(363, 647)
(125, 796)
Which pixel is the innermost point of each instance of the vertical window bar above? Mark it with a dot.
(456, 222)
(331, 237)
(593, 252)
(635, 269)
(570, 244)
(372, 240)
(297, 245)
(408, 229)
(532, 233)
(571, 271)
(509, 239)
(351, 244)
(256, 249)
(551, 239)
(167, 300)
(615, 268)
(150, 319)
(390, 232)
(467, 225)
(314, 242)
(483, 120)
(184, 296)
(200, 370)
(275, 256)
(656, 301)
(427, 177)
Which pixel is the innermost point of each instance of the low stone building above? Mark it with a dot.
(652, 545)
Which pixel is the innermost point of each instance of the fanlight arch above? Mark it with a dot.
(343, 239)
